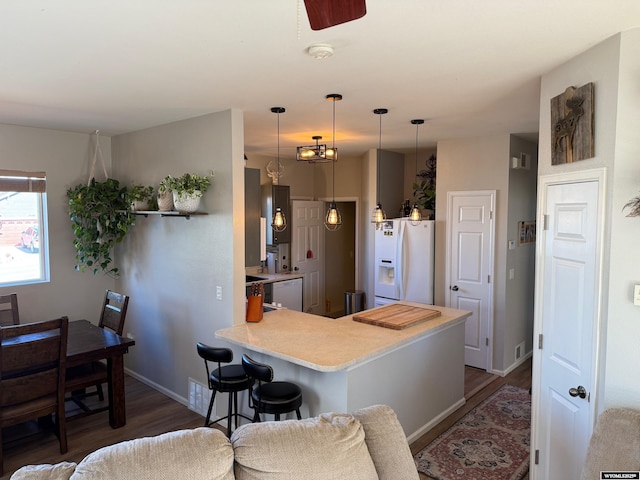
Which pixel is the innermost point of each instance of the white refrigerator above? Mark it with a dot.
(404, 258)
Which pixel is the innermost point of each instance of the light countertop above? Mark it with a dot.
(330, 345)
(274, 277)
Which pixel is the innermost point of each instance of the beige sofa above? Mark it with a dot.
(615, 444)
(366, 445)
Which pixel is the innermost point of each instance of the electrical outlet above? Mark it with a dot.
(636, 295)
(218, 292)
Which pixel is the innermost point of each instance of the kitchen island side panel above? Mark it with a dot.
(423, 381)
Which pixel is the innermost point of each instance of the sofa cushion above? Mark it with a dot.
(387, 443)
(330, 446)
(202, 453)
(614, 444)
(59, 471)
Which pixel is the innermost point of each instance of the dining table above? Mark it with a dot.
(88, 343)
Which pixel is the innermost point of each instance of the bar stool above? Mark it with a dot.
(225, 378)
(270, 397)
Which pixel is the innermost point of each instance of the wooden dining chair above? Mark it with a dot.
(32, 374)
(112, 317)
(9, 310)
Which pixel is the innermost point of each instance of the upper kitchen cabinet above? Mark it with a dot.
(274, 196)
(252, 211)
(391, 178)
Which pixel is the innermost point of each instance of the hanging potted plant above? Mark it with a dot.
(165, 194)
(188, 190)
(141, 197)
(100, 217)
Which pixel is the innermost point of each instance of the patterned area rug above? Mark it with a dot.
(490, 442)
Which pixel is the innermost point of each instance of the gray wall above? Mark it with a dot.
(172, 266)
(66, 158)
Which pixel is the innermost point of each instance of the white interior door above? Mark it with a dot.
(567, 323)
(470, 239)
(307, 251)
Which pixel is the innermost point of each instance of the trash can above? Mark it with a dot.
(353, 301)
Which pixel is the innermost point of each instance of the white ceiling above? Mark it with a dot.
(468, 67)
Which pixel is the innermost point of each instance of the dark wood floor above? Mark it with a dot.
(151, 413)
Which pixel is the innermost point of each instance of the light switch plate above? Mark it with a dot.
(636, 295)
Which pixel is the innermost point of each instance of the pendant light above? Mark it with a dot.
(279, 222)
(333, 219)
(415, 217)
(378, 216)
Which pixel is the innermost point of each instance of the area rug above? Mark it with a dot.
(491, 442)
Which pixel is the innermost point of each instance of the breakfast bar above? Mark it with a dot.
(343, 365)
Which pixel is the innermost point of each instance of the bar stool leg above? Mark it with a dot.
(213, 396)
(229, 414)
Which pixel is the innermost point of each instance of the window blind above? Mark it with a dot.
(17, 181)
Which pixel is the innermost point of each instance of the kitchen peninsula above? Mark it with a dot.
(343, 365)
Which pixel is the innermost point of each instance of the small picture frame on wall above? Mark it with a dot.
(526, 232)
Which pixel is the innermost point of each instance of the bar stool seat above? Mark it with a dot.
(271, 397)
(226, 378)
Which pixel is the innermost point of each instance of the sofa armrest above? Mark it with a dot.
(614, 444)
(387, 443)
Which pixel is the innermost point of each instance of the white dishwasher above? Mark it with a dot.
(288, 293)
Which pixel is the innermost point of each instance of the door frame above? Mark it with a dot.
(357, 232)
(448, 253)
(545, 181)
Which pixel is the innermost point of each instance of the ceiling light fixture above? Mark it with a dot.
(333, 219)
(279, 222)
(415, 217)
(318, 153)
(378, 216)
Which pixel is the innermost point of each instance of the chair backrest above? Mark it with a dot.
(258, 371)
(32, 362)
(218, 355)
(215, 354)
(114, 311)
(9, 310)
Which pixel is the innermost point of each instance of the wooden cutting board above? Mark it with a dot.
(395, 316)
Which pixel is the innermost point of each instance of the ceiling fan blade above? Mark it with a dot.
(327, 13)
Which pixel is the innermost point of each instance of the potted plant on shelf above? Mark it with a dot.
(165, 194)
(188, 190)
(141, 197)
(100, 217)
(425, 196)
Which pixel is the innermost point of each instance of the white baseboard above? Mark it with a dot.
(428, 426)
(160, 388)
(513, 366)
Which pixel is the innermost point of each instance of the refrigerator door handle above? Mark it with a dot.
(400, 279)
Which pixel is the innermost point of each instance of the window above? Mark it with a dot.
(23, 233)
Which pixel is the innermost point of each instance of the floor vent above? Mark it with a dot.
(199, 396)
(519, 350)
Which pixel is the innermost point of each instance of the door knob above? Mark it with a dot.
(578, 392)
(454, 288)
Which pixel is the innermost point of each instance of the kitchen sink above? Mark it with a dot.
(252, 278)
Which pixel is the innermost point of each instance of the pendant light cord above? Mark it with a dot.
(417, 127)
(333, 168)
(378, 159)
